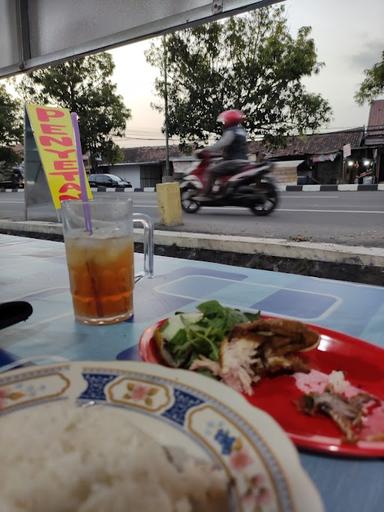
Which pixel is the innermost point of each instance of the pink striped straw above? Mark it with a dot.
(83, 183)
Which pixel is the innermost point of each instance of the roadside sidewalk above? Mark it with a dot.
(333, 261)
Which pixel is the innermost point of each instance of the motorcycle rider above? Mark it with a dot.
(232, 146)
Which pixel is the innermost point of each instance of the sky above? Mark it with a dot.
(349, 38)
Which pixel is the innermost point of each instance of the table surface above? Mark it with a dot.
(35, 270)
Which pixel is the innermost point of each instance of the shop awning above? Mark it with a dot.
(35, 33)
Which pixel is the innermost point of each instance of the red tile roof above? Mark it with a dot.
(376, 114)
(148, 153)
(315, 144)
(375, 128)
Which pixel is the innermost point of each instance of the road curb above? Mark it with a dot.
(350, 263)
(277, 247)
(331, 188)
(281, 186)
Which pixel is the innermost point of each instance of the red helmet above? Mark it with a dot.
(231, 118)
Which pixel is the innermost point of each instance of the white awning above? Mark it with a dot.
(34, 33)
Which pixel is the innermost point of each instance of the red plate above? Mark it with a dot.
(362, 364)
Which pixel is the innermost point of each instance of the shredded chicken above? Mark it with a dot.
(206, 364)
(234, 367)
(236, 361)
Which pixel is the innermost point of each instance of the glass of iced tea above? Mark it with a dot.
(101, 259)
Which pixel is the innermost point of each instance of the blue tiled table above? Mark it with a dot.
(35, 270)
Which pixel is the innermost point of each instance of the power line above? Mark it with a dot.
(140, 138)
(143, 138)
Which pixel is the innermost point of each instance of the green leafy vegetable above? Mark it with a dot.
(190, 335)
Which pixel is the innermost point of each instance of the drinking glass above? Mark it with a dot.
(100, 258)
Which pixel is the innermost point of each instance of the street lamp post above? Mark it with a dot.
(165, 64)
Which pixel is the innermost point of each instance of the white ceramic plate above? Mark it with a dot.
(180, 408)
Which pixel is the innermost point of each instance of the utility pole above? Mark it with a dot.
(165, 64)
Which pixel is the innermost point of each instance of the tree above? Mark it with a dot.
(249, 62)
(373, 84)
(84, 86)
(11, 131)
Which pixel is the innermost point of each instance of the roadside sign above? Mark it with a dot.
(347, 150)
(56, 145)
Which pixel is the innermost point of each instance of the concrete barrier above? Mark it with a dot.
(168, 199)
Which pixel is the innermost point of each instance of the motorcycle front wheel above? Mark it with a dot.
(270, 202)
(187, 202)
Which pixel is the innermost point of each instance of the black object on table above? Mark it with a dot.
(14, 312)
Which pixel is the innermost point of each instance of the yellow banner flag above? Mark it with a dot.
(55, 141)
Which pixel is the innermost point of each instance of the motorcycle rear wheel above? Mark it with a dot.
(261, 209)
(187, 202)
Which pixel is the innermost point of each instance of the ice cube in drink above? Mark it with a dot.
(101, 276)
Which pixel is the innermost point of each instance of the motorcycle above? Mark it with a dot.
(251, 187)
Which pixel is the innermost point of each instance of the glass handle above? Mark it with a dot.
(146, 222)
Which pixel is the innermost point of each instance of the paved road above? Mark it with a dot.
(352, 218)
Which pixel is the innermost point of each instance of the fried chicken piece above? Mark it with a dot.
(277, 340)
(255, 349)
(346, 413)
(282, 334)
(286, 364)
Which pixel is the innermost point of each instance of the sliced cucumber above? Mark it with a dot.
(165, 355)
(179, 321)
(191, 318)
(172, 327)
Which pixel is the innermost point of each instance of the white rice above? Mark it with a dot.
(60, 458)
(337, 381)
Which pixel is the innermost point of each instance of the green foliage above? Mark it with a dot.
(203, 336)
(11, 130)
(84, 86)
(9, 156)
(373, 84)
(249, 62)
